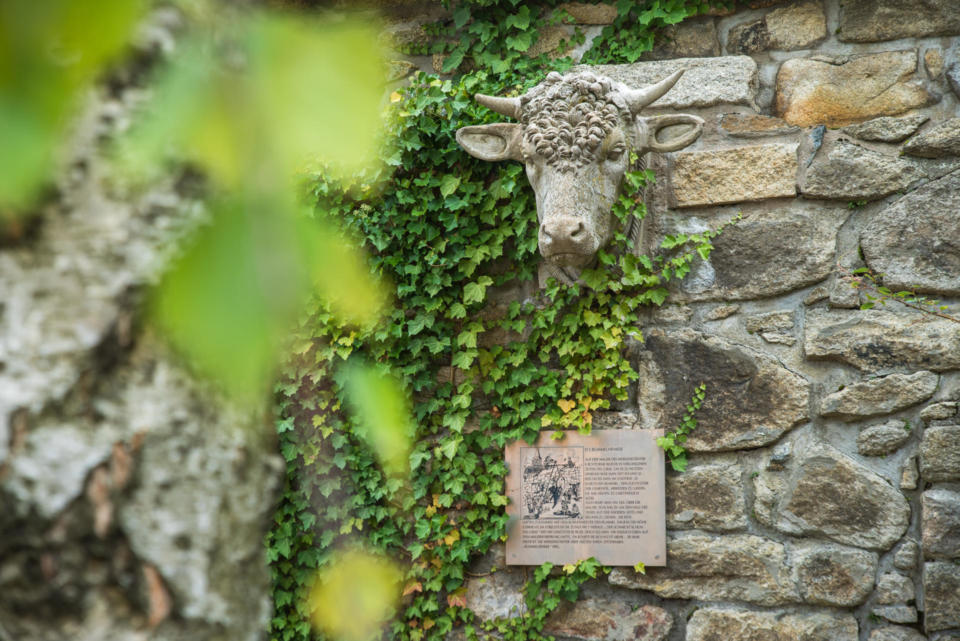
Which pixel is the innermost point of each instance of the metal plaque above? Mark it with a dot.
(600, 495)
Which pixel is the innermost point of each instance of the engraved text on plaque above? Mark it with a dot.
(600, 495)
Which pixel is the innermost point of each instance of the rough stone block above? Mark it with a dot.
(797, 26)
(752, 400)
(896, 613)
(814, 92)
(748, 37)
(773, 327)
(772, 321)
(728, 568)
(842, 295)
(933, 62)
(845, 171)
(940, 453)
(877, 20)
(953, 78)
(741, 174)
(713, 624)
(826, 493)
(834, 575)
(936, 142)
(586, 13)
(940, 524)
(883, 439)
(603, 619)
(816, 295)
(887, 128)
(896, 633)
(730, 80)
(909, 474)
(893, 588)
(879, 396)
(939, 411)
(770, 253)
(707, 497)
(941, 596)
(720, 312)
(548, 41)
(692, 38)
(878, 340)
(399, 36)
(498, 595)
(913, 241)
(907, 555)
(755, 126)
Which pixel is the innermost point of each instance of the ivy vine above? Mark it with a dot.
(456, 238)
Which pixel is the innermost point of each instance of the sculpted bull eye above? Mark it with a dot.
(616, 153)
(531, 160)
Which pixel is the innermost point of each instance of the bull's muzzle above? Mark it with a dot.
(565, 241)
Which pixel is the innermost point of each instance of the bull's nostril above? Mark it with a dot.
(544, 231)
(577, 231)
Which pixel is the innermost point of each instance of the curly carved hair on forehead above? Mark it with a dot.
(566, 118)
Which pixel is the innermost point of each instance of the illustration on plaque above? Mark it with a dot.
(552, 481)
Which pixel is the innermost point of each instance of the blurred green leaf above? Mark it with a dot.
(342, 279)
(307, 92)
(383, 412)
(321, 86)
(227, 301)
(49, 53)
(354, 596)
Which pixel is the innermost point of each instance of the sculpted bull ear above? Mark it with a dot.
(655, 123)
(637, 99)
(500, 141)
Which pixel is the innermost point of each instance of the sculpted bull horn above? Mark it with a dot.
(504, 106)
(637, 99)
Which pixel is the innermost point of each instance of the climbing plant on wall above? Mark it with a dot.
(453, 236)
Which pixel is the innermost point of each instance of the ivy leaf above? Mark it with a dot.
(464, 359)
(461, 15)
(520, 42)
(476, 291)
(658, 295)
(454, 59)
(542, 572)
(679, 463)
(458, 598)
(417, 323)
(520, 20)
(449, 448)
(449, 184)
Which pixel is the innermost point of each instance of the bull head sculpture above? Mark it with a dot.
(575, 138)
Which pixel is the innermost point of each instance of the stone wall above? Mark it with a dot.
(822, 502)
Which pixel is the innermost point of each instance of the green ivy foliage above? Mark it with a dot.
(672, 442)
(632, 32)
(454, 236)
